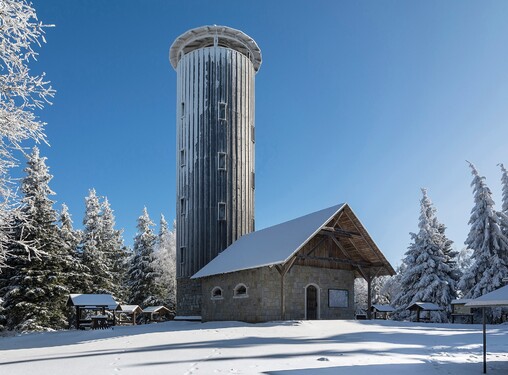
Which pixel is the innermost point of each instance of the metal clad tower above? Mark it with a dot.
(215, 177)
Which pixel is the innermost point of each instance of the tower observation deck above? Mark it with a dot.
(215, 177)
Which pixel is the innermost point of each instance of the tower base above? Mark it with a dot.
(188, 299)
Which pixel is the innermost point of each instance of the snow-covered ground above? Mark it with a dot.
(296, 347)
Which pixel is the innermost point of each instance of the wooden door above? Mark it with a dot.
(312, 302)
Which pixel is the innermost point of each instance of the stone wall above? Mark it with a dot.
(188, 297)
(262, 301)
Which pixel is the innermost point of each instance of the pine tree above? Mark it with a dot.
(428, 276)
(100, 277)
(143, 286)
(34, 288)
(111, 246)
(76, 272)
(165, 262)
(488, 243)
(504, 184)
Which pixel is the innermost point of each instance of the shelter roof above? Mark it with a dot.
(426, 306)
(278, 244)
(498, 297)
(153, 309)
(461, 301)
(383, 308)
(204, 36)
(129, 309)
(92, 300)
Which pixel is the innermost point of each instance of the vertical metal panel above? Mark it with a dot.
(206, 77)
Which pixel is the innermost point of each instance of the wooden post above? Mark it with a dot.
(78, 312)
(282, 299)
(369, 296)
(484, 342)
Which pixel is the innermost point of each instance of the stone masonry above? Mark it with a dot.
(262, 301)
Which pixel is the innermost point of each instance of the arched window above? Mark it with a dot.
(240, 291)
(217, 293)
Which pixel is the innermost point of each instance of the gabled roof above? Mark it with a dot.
(92, 300)
(278, 244)
(498, 297)
(153, 309)
(129, 309)
(427, 306)
(383, 308)
(461, 301)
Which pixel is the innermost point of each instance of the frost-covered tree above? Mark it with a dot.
(34, 288)
(428, 276)
(381, 290)
(504, 184)
(21, 94)
(110, 243)
(100, 278)
(488, 243)
(165, 262)
(360, 293)
(143, 286)
(464, 260)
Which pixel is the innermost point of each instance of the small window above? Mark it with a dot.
(217, 293)
(240, 291)
(222, 111)
(338, 298)
(221, 161)
(182, 157)
(253, 175)
(182, 109)
(183, 208)
(253, 133)
(221, 214)
(182, 255)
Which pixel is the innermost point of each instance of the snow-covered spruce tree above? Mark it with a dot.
(100, 278)
(70, 238)
(504, 184)
(143, 287)
(111, 245)
(380, 290)
(35, 292)
(165, 262)
(21, 94)
(488, 243)
(428, 276)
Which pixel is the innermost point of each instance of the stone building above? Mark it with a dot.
(301, 269)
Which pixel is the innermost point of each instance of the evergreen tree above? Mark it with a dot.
(428, 276)
(488, 243)
(165, 262)
(100, 278)
(143, 286)
(504, 184)
(76, 272)
(34, 285)
(111, 246)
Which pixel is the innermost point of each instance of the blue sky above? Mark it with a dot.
(356, 101)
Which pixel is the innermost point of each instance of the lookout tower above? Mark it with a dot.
(215, 178)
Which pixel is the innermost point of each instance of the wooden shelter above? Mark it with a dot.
(93, 310)
(461, 311)
(127, 314)
(157, 314)
(497, 298)
(425, 307)
(382, 309)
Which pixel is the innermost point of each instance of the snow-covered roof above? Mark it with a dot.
(152, 309)
(269, 246)
(498, 297)
(383, 308)
(92, 300)
(129, 308)
(204, 36)
(427, 306)
(460, 301)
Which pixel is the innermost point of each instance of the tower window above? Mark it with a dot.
(222, 111)
(183, 208)
(221, 214)
(253, 133)
(253, 175)
(182, 157)
(182, 255)
(182, 109)
(221, 161)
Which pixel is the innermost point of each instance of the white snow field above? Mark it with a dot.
(285, 348)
